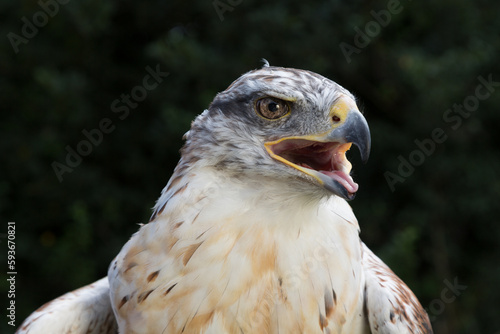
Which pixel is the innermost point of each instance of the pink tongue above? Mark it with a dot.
(344, 179)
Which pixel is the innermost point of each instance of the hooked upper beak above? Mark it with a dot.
(322, 156)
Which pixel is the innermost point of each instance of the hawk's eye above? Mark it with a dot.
(272, 108)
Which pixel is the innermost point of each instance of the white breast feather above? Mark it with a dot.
(256, 261)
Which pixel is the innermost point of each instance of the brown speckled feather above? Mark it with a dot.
(390, 304)
(86, 310)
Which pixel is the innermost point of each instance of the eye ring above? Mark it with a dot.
(272, 108)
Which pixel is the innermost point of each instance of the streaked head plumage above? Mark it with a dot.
(282, 123)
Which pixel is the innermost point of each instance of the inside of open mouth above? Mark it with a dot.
(326, 158)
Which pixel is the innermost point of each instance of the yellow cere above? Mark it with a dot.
(341, 108)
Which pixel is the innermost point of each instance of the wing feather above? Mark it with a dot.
(390, 305)
(86, 310)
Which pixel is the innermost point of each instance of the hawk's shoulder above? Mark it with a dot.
(390, 305)
(86, 310)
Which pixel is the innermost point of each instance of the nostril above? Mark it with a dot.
(336, 118)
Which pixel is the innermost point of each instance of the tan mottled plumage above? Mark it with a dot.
(86, 310)
(253, 234)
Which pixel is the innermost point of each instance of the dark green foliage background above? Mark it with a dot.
(440, 224)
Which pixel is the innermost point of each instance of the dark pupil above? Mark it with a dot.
(273, 106)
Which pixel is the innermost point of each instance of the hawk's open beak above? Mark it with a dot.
(322, 156)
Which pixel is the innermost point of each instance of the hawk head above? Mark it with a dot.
(283, 124)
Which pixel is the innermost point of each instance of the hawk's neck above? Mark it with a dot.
(192, 190)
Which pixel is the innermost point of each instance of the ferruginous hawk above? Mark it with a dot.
(252, 234)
